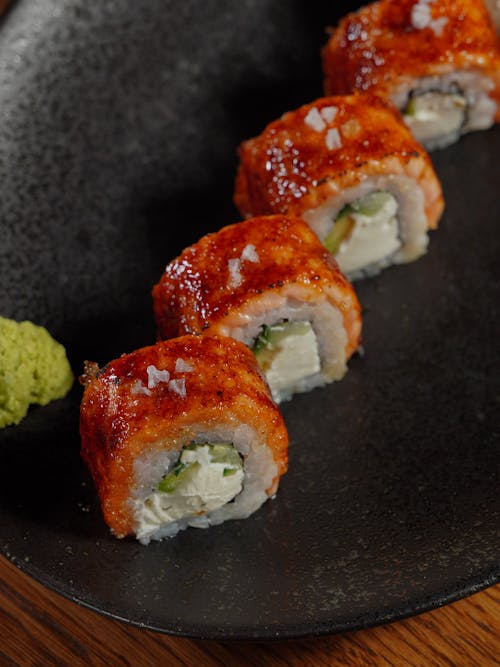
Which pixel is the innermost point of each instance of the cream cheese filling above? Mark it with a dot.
(296, 358)
(290, 354)
(205, 486)
(434, 116)
(370, 233)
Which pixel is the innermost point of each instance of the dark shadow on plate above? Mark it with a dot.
(47, 485)
(179, 220)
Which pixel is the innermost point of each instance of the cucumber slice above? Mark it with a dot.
(411, 108)
(262, 339)
(372, 203)
(341, 229)
(225, 453)
(271, 336)
(183, 470)
(434, 103)
(269, 340)
(180, 473)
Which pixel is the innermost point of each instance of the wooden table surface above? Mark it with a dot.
(40, 628)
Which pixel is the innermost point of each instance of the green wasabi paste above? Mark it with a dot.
(33, 369)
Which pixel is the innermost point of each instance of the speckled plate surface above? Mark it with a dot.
(118, 139)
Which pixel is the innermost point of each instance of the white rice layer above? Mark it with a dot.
(474, 86)
(259, 473)
(410, 216)
(326, 321)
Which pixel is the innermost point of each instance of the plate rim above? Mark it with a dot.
(444, 596)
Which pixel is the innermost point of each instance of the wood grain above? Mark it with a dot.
(39, 628)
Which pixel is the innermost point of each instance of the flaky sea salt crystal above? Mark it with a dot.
(139, 388)
(420, 15)
(250, 253)
(329, 113)
(437, 25)
(155, 376)
(234, 266)
(178, 386)
(182, 366)
(314, 120)
(333, 139)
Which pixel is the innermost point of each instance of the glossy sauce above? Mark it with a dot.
(198, 290)
(379, 47)
(117, 424)
(290, 169)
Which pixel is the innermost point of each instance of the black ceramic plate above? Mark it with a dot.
(118, 135)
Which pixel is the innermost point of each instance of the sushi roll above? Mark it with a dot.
(269, 283)
(351, 168)
(182, 433)
(438, 62)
